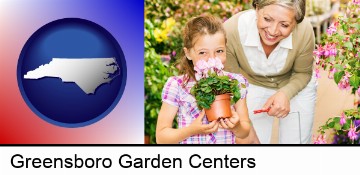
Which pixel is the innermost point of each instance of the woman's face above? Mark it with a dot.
(275, 23)
(207, 46)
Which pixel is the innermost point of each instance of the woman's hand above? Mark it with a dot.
(279, 104)
(197, 127)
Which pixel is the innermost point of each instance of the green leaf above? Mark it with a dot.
(153, 113)
(348, 122)
(325, 127)
(331, 124)
(193, 91)
(339, 67)
(338, 76)
(349, 45)
(354, 81)
(337, 126)
(357, 116)
(236, 98)
(346, 126)
(357, 26)
(341, 57)
(243, 85)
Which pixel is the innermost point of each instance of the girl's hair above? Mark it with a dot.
(297, 5)
(196, 27)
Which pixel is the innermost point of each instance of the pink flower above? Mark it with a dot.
(333, 50)
(317, 60)
(214, 66)
(356, 2)
(352, 133)
(358, 91)
(218, 64)
(317, 73)
(351, 31)
(167, 10)
(344, 83)
(165, 57)
(331, 73)
(331, 30)
(198, 76)
(330, 50)
(223, 5)
(320, 139)
(211, 63)
(319, 51)
(201, 69)
(342, 119)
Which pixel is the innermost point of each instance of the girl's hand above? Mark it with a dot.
(230, 123)
(280, 105)
(199, 128)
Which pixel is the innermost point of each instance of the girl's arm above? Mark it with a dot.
(166, 134)
(242, 130)
(251, 139)
(247, 129)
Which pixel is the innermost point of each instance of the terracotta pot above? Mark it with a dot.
(146, 139)
(220, 108)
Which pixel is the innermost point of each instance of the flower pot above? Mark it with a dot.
(220, 108)
(146, 139)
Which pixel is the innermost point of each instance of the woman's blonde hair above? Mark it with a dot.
(297, 5)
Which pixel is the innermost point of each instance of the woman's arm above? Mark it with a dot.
(303, 64)
(301, 73)
(166, 134)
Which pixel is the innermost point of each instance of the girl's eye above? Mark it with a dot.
(219, 51)
(202, 53)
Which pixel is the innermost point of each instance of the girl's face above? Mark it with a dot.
(207, 46)
(274, 23)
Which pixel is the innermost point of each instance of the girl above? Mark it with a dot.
(204, 38)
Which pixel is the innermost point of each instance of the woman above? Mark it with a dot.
(272, 46)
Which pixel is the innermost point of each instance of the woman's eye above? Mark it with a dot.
(285, 26)
(266, 19)
(219, 51)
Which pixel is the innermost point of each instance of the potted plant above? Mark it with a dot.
(345, 127)
(214, 91)
(339, 53)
